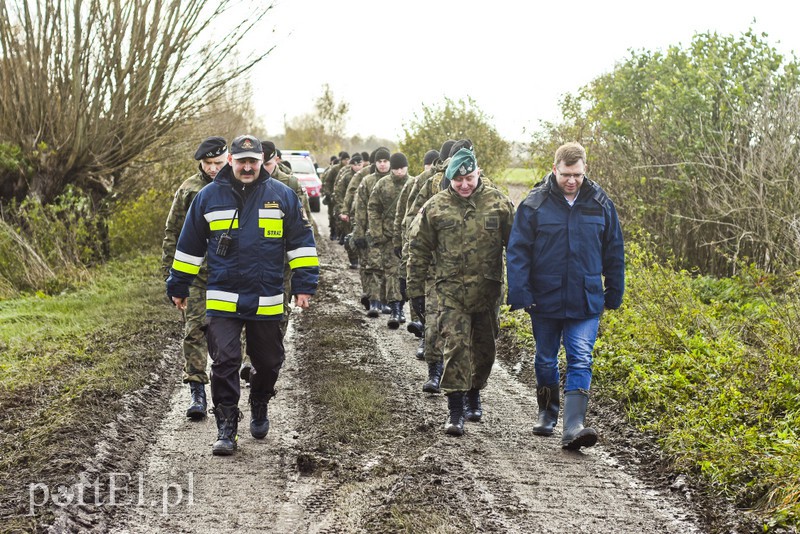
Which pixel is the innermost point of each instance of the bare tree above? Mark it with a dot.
(88, 85)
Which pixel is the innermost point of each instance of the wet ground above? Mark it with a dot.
(405, 476)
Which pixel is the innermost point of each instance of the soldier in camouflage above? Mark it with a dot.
(381, 210)
(344, 226)
(462, 231)
(328, 180)
(433, 341)
(348, 210)
(373, 260)
(212, 156)
(416, 325)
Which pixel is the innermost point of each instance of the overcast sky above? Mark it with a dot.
(515, 58)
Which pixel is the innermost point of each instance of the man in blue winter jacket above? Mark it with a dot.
(566, 264)
(245, 223)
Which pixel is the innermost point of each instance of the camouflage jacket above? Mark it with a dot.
(360, 213)
(329, 178)
(382, 208)
(466, 237)
(291, 181)
(402, 218)
(177, 214)
(340, 186)
(352, 188)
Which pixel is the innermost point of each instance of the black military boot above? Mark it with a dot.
(547, 398)
(434, 377)
(197, 409)
(416, 328)
(575, 434)
(401, 314)
(472, 405)
(455, 423)
(259, 420)
(365, 302)
(374, 308)
(228, 416)
(421, 349)
(385, 309)
(394, 319)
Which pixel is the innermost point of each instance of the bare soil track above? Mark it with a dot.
(402, 475)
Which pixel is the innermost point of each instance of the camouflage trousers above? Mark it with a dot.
(391, 272)
(332, 209)
(373, 281)
(346, 227)
(468, 347)
(195, 349)
(433, 340)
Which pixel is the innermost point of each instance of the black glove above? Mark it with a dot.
(418, 305)
(403, 289)
(398, 251)
(326, 200)
(361, 242)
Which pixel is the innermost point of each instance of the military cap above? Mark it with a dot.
(430, 157)
(398, 161)
(211, 147)
(461, 163)
(246, 146)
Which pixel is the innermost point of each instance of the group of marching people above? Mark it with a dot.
(447, 241)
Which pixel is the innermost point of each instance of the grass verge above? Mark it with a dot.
(710, 368)
(65, 362)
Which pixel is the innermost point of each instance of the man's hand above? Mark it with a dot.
(179, 302)
(302, 300)
(344, 217)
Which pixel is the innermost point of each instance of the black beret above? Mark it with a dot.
(211, 147)
(356, 159)
(458, 145)
(269, 149)
(444, 152)
(365, 155)
(344, 155)
(430, 157)
(398, 161)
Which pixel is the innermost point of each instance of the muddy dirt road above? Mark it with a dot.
(408, 476)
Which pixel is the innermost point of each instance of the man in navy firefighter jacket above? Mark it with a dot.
(245, 222)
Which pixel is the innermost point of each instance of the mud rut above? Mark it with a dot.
(499, 476)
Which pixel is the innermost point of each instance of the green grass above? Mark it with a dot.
(519, 176)
(65, 361)
(711, 367)
(354, 402)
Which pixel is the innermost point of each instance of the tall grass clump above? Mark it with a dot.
(46, 247)
(710, 366)
(137, 226)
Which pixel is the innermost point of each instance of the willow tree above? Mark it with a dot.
(87, 85)
(455, 120)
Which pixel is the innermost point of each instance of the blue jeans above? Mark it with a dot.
(579, 336)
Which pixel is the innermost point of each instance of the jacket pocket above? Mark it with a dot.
(218, 275)
(547, 293)
(593, 289)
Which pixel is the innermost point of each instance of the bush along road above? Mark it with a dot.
(356, 446)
